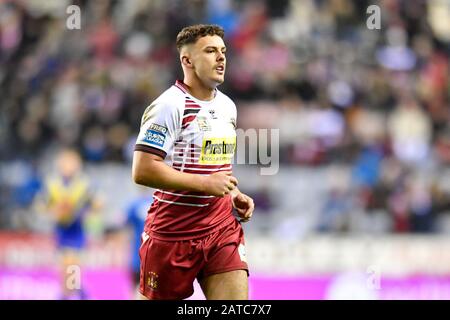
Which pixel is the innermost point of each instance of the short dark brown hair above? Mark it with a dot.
(191, 34)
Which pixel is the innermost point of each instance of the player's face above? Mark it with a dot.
(208, 59)
(69, 163)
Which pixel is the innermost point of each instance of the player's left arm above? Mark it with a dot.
(243, 204)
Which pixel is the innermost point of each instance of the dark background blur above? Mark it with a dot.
(364, 115)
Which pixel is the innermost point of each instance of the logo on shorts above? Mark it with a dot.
(152, 280)
(241, 250)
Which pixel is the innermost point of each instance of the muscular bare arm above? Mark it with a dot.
(150, 170)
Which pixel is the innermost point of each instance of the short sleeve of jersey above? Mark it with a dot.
(159, 127)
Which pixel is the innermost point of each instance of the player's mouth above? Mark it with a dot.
(220, 69)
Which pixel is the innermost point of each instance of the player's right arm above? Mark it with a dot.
(160, 125)
(150, 170)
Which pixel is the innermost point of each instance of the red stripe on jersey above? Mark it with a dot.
(187, 160)
(182, 200)
(201, 166)
(188, 115)
(190, 112)
(187, 150)
(186, 170)
(187, 121)
(187, 118)
(185, 193)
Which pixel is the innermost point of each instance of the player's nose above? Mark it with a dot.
(221, 57)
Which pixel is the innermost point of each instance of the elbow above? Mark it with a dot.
(142, 179)
(138, 176)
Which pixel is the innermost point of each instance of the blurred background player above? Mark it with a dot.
(69, 198)
(136, 213)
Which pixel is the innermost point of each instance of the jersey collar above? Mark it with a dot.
(182, 86)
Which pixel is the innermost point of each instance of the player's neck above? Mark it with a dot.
(198, 90)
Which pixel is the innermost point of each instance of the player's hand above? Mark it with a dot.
(220, 183)
(63, 212)
(244, 206)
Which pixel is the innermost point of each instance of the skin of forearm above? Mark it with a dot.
(157, 174)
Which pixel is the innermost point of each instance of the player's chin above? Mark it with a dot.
(218, 79)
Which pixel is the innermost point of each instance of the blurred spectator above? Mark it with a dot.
(410, 129)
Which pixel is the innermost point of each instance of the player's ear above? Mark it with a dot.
(186, 61)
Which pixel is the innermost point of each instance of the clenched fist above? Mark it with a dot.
(244, 206)
(219, 184)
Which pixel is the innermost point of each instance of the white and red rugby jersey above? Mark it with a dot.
(192, 136)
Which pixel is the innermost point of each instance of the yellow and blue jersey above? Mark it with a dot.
(69, 200)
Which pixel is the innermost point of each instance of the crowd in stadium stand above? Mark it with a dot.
(376, 101)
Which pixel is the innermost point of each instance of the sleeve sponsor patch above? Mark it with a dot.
(158, 128)
(155, 135)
